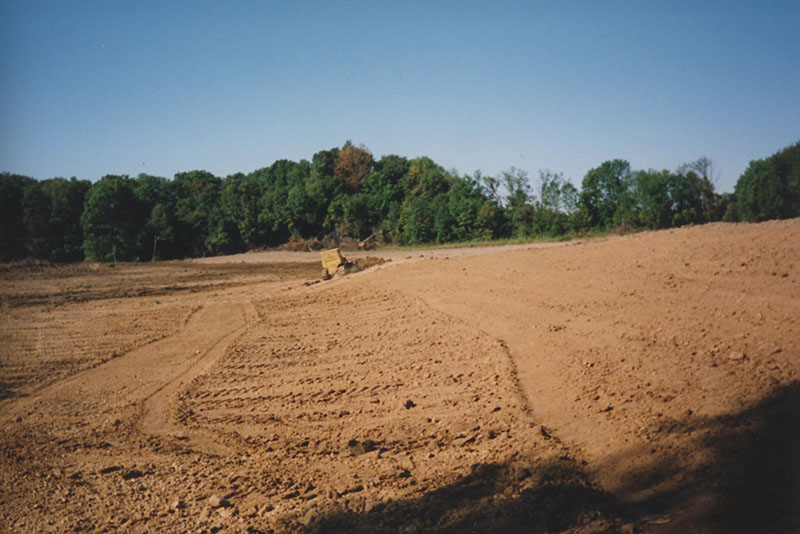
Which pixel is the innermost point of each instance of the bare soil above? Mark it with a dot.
(639, 383)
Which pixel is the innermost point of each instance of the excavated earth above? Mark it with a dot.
(640, 383)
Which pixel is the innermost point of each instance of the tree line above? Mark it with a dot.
(346, 193)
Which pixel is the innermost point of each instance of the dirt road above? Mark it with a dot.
(644, 383)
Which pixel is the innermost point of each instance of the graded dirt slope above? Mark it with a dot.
(667, 361)
(645, 383)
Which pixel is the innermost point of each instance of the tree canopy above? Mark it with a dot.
(770, 188)
(347, 193)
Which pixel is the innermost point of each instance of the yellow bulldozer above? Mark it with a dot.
(334, 264)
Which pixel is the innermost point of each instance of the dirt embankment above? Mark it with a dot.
(645, 383)
(667, 361)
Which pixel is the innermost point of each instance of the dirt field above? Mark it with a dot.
(644, 383)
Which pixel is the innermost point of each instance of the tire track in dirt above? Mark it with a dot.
(513, 370)
(157, 409)
(348, 399)
(44, 345)
(146, 376)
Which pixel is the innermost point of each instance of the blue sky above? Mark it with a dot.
(93, 88)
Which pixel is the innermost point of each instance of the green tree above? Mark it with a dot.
(274, 217)
(36, 206)
(41, 219)
(418, 220)
(234, 225)
(653, 196)
(13, 235)
(424, 186)
(197, 195)
(727, 206)
(157, 204)
(550, 185)
(492, 187)
(246, 217)
(309, 200)
(604, 190)
(384, 191)
(759, 193)
(112, 220)
(554, 214)
(356, 216)
(425, 177)
(67, 198)
(159, 226)
(460, 218)
(686, 195)
(384, 186)
(519, 201)
(770, 188)
(704, 169)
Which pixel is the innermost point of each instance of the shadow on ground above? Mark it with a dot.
(6, 390)
(747, 479)
(735, 473)
(490, 499)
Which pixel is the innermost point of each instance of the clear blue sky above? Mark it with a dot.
(92, 88)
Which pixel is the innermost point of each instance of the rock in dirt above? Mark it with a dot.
(352, 489)
(310, 517)
(357, 447)
(133, 473)
(469, 439)
(110, 469)
(215, 501)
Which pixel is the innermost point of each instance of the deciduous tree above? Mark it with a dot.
(604, 189)
(111, 220)
(353, 166)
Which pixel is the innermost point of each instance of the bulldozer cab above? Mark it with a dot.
(332, 259)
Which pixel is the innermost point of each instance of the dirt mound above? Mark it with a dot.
(28, 264)
(298, 244)
(369, 261)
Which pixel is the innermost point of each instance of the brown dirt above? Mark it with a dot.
(641, 383)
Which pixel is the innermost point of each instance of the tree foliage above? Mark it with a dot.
(196, 213)
(346, 193)
(353, 166)
(770, 188)
(605, 190)
(157, 204)
(112, 220)
(13, 235)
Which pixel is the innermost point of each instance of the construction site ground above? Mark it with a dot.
(639, 383)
